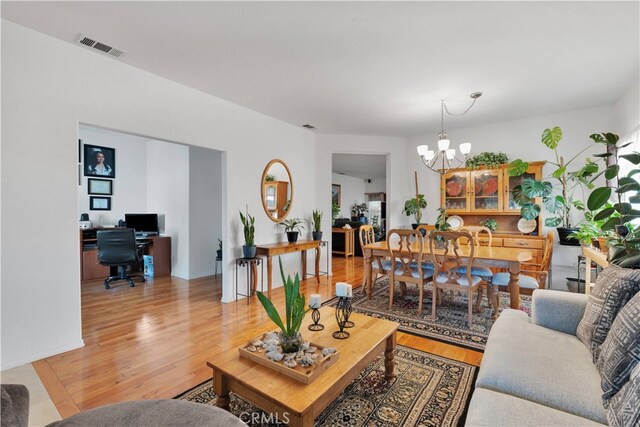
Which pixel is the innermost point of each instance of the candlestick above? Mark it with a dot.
(315, 301)
(347, 313)
(341, 289)
(315, 316)
(340, 318)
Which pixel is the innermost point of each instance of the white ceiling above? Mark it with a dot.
(371, 68)
(365, 166)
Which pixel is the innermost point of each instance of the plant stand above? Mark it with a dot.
(252, 276)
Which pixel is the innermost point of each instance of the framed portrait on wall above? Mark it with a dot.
(97, 203)
(99, 161)
(100, 186)
(335, 194)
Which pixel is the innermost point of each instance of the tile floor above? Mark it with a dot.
(42, 411)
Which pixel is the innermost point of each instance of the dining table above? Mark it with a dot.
(486, 256)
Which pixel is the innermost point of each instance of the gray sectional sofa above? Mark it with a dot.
(535, 371)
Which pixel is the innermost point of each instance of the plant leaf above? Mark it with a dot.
(517, 167)
(633, 157)
(532, 188)
(612, 138)
(603, 155)
(530, 211)
(554, 204)
(553, 221)
(519, 197)
(611, 172)
(603, 214)
(610, 224)
(551, 137)
(559, 172)
(622, 208)
(629, 261)
(597, 138)
(632, 186)
(271, 310)
(598, 198)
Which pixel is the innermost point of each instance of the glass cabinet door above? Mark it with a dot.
(509, 204)
(486, 192)
(455, 191)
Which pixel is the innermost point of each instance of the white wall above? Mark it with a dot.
(377, 185)
(351, 191)
(518, 139)
(48, 88)
(205, 209)
(627, 109)
(130, 184)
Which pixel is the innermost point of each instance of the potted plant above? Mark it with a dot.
(590, 231)
(487, 160)
(490, 223)
(219, 251)
(414, 207)
(623, 236)
(289, 335)
(269, 178)
(248, 224)
(358, 210)
(292, 227)
(557, 192)
(441, 225)
(317, 224)
(335, 212)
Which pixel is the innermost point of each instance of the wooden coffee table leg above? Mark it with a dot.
(221, 389)
(389, 354)
(297, 421)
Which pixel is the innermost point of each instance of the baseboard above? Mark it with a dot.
(41, 355)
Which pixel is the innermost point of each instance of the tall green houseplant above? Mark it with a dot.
(249, 230)
(290, 338)
(414, 207)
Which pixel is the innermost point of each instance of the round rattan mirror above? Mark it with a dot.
(276, 190)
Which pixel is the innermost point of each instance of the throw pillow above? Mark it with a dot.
(9, 417)
(620, 352)
(624, 407)
(614, 288)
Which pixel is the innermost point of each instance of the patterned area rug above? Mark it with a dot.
(429, 391)
(451, 318)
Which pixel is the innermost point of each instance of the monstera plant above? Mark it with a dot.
(561, 192)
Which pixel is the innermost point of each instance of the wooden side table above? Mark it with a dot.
(349, 242)
(252, 276)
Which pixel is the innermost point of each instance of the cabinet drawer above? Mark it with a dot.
(524, 243)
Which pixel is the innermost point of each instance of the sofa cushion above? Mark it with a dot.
(15, 406)
(541, 365)
(624, 407)
(614, 287)
(490, 408)
(621, 350)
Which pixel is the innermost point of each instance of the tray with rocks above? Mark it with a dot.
(304, 366)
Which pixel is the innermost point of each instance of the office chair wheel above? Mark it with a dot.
(131, 283)
(106, 285)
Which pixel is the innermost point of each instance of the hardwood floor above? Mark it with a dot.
(153, 341)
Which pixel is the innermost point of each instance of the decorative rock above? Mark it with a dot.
(328, 350)
(257, 343)
(312, 349)
(290, 363)
(275, 355)
(305, 346)
(306, 361)
(289, 356)
(271, 348)
(252, 349)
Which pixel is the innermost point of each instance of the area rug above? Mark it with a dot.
(450, 325)
(429, 390)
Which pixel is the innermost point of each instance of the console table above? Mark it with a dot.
(302, 246)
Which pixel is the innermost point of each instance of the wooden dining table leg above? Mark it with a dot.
(269, 270)
(318, 264)
(514, 286)
(303, 257)
(368, 260)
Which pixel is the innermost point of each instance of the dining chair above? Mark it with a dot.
(366, 234)
(406, 252)
(533, 275)
(425, 229)
(447, 274)
(476, 230)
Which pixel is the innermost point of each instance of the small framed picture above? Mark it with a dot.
(99, 203)
(99, 161)
(335, 194)
(100, 186)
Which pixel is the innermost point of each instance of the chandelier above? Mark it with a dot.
(444, 158)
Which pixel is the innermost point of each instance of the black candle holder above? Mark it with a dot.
(342, 317)
(315, 316)
(347, 313)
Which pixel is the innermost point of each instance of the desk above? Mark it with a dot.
(488, 256)
(158, 246)
(302, 246)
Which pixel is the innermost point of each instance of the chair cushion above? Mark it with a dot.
(490, 408)
(425, 265)
(614, 287)
(620, 351)
(462, 281)
(426, 273)
(624, 407)
(524, 281)
(541, 365)
(477, 271)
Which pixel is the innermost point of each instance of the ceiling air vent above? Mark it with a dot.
(308, 126)
(82, 39)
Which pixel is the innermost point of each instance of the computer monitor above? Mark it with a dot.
(143, 223)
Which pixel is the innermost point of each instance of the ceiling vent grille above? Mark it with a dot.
(308, 126)
(86, 41)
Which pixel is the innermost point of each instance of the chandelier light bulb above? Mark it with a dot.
(422, 149)
(465, 148)
(451, 153)
(443, 144)
(429, 155)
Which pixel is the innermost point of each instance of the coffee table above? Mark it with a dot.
(290, 400)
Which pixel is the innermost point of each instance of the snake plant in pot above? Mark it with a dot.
(561, 193)
(248, 225)
(289, 335)
(317, 224)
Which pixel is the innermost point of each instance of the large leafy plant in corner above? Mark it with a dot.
(294, 305)
(561, 192)
(414, 207)
(624, 245)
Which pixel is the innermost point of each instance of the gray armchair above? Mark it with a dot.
(15, 405)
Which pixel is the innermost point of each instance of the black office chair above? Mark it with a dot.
(118, 248)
